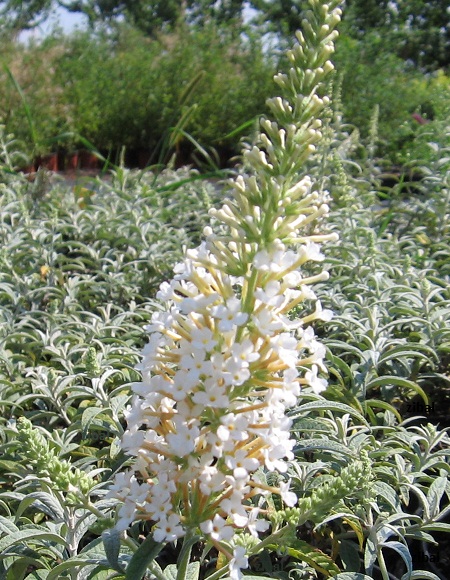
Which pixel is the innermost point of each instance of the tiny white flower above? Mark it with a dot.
(285, 345)
(168, 529)
(184, 440)
(229, 315)
(183, 270)
(325, 315)
(270, 295)
(183, 382)
(166, 292)
(160, 321)
(239, 460)
(234, 508)
(126, 515)
(274, 456)
(213, 396)
(164, 486)
(233, 427)
(197, 303)
(217, 445)
(236, 373)
(132, 442)
(318, 384)
(217, 528)
(244, 351)
(211, 480)
(124, 485)
(289, 497)
(150, 352)
(237, 563)
(275, 260)
(238, 484)
(266, 322)
(308, 337)
(203, 338)
(196, 363)
(292, 279)
(159, 507)
(311, 251)
(255, 524)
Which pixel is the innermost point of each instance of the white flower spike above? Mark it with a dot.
(224, 361)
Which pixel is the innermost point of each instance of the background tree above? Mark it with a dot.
(146, 15)
(17, 15)
(149, 16)
(417, 30)
(280, 16)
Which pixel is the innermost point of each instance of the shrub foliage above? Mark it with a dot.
(79, 267)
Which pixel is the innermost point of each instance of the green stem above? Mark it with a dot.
(91, 507)
(218, 573)
(185, 555)
(133, 546)
(248, 300)
(130, 543)
(269, 540)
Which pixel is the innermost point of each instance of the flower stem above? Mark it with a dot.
(185, 555)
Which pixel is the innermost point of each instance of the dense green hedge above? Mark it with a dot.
(126, 90)
(131, 91)
(372, 77)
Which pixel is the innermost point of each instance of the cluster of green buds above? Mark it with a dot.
(60, 472)
(225, 361)
(93, 368)
(354, 480)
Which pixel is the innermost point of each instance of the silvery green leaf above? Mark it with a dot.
(322, 445)
(436, 527)
(141, 559)
(435, 493)
(88, 417)
(111, 542)
(170, 572)
(421, 575)
(34, 534)
(370, 552)
(7, 526)
(387, 493)
(323, 405)
(403, 552)
(42, 501)
(349, 554)
(352, 576)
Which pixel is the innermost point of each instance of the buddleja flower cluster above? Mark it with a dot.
(224, 361)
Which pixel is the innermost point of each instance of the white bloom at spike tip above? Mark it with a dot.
(225, 359)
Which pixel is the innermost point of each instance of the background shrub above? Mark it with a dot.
(123, 89)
